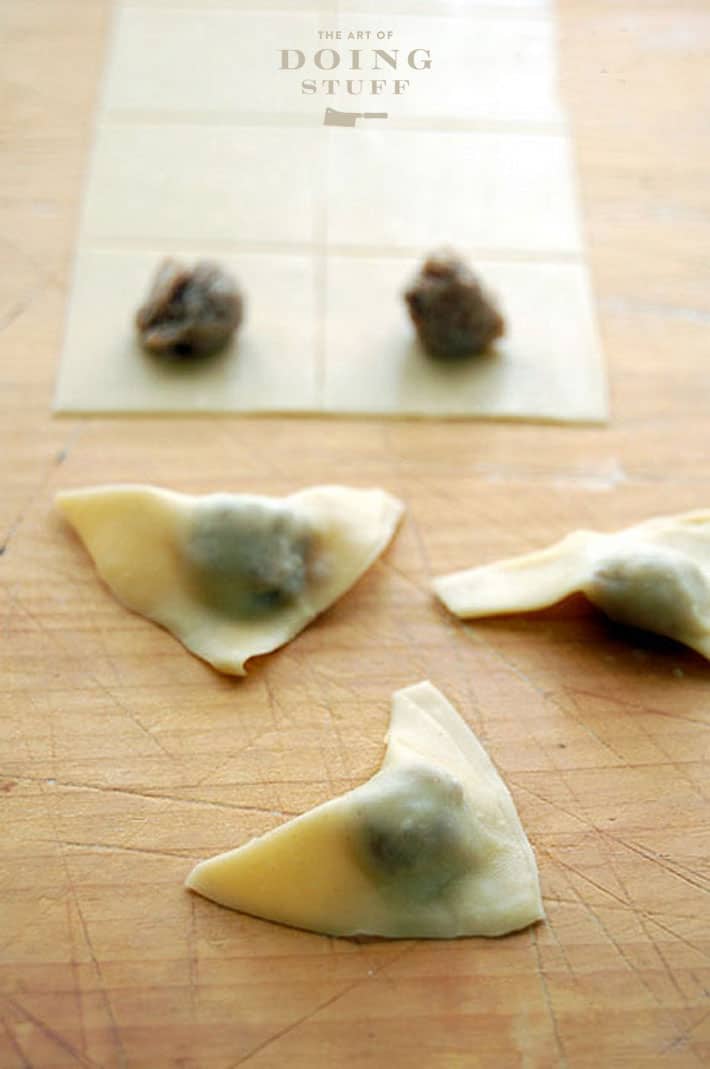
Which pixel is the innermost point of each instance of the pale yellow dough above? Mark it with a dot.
(654, 575)
(324, 226)
(430, 847)
(142, 540)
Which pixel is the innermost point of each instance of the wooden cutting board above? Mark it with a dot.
(123, 759)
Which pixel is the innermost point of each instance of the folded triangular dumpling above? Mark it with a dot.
(655, 575)
(430, 847)
(231, 575)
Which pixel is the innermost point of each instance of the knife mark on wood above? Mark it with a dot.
(682, 1038)
(115, 1031)
(56, 641)
(192, 959)
(14, 1043)
(322, 1006)
(648, 855)
(34, 495)
(607, 839)
(74, 895)
(606, 931)
(49, 1033)
(562, 1057)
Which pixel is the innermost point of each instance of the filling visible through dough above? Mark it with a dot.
(654, 588)
(414, 834)
(231, 575)
(251, 559)
(654, 576)
(431, 846)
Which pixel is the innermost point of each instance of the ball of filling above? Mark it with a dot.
(453, 315)
(412, 833)
(190, 311)
(248, 559)
(654, 588)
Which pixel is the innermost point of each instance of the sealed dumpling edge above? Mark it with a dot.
(430, 847)
(654, 576)
(231, 575)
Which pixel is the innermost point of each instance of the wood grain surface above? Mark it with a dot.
(123, 759)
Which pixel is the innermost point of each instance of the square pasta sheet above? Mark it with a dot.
(243, 135)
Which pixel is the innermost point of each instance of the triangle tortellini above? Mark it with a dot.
(655, 576)
(430, 847)
(231, 575)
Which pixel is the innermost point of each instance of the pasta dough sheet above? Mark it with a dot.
(215, 139)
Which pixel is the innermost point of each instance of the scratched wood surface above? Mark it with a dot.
(123, 759)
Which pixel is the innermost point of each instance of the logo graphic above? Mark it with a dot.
(348, 63)
(333, 117)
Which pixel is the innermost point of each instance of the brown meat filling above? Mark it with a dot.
(190, 311)
(452, 313)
